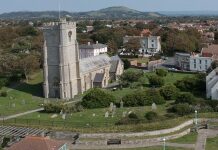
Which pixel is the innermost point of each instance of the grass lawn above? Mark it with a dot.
(141, 60)
(212, 143)
(187, 139)
(172, 77)
(22, 97)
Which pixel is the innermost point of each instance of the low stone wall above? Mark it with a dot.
(138, 134)
(128, 143)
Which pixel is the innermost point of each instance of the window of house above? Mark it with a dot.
(194, 65)
(205, 61)
(200, 61)
(152, 45)
(194, 60)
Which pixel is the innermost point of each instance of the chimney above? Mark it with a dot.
(89, 43)
(96, 42)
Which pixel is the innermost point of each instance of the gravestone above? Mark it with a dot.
(129, 112)
(23, 102)
(54, 116)
(61, 113)
(154, 107)
(39, 116)
(64, 116)
(106, 115)
(13, 105)
(93, 115)
(111, 107)
(121, 104)
(124, 114)
(114, 110)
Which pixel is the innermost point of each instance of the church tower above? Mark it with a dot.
(61, 60)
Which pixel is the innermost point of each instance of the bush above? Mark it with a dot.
(3, 82)
(4, 94)
(5, 142)
(185, 97)
(169, 92)
(161, 72)
(133, 116)
(182, 109)
(151, 115)
(97, 98)
(143, 98)
(53, 108)
(126, 63)
(131, 75)
(155, 81)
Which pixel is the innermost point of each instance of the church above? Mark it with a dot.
(65, 74)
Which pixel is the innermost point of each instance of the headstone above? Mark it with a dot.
(106, 115)
(124, 114)
(121, 104)
(64, 116)
(129, 112)
(111, 107)
(154, 107)
(61, 113)
(39, 116)
(114, 110)
(93, 115)
(54, 116)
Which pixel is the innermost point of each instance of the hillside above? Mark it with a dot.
(119, 12)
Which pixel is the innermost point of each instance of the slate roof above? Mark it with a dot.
(92, 46)
(114, 63)
(99, 77)
(36, 143)
(94, 63)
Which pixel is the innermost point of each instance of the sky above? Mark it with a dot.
(86, 5)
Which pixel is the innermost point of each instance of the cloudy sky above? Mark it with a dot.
(85, 5)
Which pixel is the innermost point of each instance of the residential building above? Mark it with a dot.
(210, 50)
(149, 44)
(90, 50)
(199, 63)
(182, 61)
(117, 67)
(38, 143)
(212, 85)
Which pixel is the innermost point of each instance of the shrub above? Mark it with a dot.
(151, 115)
(161, 72)
(133, 116)
(185, 97)
(4, 94)
(5, 142)
(169, 92)
(97, 98)
(53, 108)
(131, 75)
(182, 109)
(155, 81)
(126, 63)
(3, 82)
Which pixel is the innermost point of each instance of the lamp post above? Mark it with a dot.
(164, 144)
(196, 119)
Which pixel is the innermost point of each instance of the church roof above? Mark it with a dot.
(92, 46)
(94, 63)
(114, 63)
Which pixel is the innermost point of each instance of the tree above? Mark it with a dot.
(97, 98)
(182, 109)
(131, 75)
(185, 97)
(169, 92)
(133, 46)
(112, 47)
(28, 64)
(161, 72)
(155, 81)
(127, 64)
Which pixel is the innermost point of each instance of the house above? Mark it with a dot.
(211, 50)
(182, 61)
(90, 50)
(149, 44)
(38, 143)
(212, 85)
(200, 63)
(117, 67)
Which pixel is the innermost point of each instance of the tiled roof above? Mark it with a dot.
(36, 143)
(211, 49)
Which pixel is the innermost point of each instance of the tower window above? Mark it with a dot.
(70, 35)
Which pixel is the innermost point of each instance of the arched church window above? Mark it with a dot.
(56, 82)
(70, 35)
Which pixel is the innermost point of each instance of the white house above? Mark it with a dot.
(199, 63)
(212, 85)
(90, 50)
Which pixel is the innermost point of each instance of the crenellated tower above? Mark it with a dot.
(61, 60)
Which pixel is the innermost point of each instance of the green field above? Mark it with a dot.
(157, 148)
(22, 97)
(212, 143)
(187, 139)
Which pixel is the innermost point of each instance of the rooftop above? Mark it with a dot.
(92, 46)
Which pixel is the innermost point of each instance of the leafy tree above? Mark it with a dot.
(97, 98)
(161, 72)
(112, 47)
(185, 97)
(131, 75)
(133, 45)
(155, 81)
(182, 109)
(126, 63)
(169, 92)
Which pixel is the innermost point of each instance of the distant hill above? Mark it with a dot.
(118, 12)
(189, 13)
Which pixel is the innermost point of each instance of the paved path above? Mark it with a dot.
(202, 138)
(21, 114)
